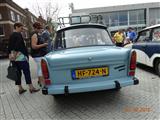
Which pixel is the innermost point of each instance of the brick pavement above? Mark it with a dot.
(139, 102)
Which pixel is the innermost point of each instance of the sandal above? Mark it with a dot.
(34, 90)
(22, 91)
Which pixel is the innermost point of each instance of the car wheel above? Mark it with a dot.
(157, 66)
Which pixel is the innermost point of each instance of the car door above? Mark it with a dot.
(144, 37)
(153, 47)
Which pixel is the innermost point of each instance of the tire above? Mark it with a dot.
(157, 66)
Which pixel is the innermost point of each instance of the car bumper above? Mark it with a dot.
(87, 87)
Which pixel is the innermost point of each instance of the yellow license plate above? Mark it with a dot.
(91, 72)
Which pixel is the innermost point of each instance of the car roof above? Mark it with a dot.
(82, 26)
(150, 27)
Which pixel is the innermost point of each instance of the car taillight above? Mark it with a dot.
(45, 72)
(132, 63)
(44, 69)
(47, 82)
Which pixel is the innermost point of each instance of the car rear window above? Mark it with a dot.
(84, 37)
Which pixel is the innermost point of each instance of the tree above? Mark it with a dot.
(49, 11)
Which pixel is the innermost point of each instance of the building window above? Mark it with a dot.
(1, 30)
(154, 16)
(132, 17)
(18, 18)
(137, 17)
(106, 18)
(0, 16)
(141, 17)
(12, 16)
(113, 19)
(23, 20)
(123, 18)
(32, 19)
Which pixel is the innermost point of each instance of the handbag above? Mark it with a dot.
(13, 73)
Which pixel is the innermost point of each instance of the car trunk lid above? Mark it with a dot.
(63, 63)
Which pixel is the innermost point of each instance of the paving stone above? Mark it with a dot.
(139, 102)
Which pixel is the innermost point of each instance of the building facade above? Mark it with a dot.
(10, 13)
(137, 16)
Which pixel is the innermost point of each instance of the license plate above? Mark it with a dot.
(90, 72)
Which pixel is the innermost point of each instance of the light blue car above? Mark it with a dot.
(85, 59)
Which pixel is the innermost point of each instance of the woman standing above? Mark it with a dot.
(38, 49)
(20, 58)
(119, 38)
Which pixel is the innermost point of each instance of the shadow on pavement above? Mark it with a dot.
(93, 98)
(146, 68)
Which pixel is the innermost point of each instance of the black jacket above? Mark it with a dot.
(16, 43)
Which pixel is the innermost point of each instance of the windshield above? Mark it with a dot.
(83, 37)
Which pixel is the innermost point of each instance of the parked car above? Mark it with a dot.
(147, 47)
(85, 59)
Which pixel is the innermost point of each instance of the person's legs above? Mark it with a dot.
(26, 71)
(39, 71)
(40, 80)
(18, 82)
(16, 64)
(21, 89)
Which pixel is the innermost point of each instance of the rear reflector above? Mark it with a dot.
(131, 73)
